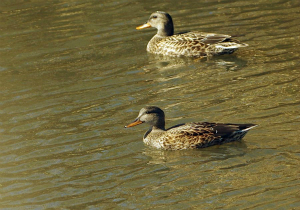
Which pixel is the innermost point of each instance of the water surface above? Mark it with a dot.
(73, 73)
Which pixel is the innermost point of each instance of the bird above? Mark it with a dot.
(192, 135)
(189, 44)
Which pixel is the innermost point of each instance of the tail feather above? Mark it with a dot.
(231, 45)
(250, 126)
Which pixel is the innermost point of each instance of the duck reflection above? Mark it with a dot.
(227, 63)
(179, 158)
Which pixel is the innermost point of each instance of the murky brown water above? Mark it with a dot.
(73, 73)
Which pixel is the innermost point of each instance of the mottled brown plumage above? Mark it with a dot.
(192, 44)
(188, 135)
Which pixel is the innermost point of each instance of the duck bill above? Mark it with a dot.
(136, 122)
(146, 25)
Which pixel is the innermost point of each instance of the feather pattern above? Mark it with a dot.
(189, 135)
(192, 44)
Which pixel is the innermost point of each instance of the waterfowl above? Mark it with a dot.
(188, 135)
(191, 44)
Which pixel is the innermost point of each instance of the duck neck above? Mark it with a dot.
(166, 30)
(159, 125)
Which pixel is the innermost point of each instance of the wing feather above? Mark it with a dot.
(202, 134)
(193, 43)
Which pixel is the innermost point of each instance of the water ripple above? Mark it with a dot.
(74, 73)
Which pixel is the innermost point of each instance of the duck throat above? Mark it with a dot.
(152, 137)
(166, 30)
(160, 125)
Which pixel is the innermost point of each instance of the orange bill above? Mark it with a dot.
(136, 122)
(146, 25)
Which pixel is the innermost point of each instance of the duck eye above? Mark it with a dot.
(154, 16)
(147, 112)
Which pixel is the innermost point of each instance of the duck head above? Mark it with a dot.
(151, 115)
(160, 20)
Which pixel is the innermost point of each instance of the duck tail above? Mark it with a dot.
(247, 127)
(230, 45)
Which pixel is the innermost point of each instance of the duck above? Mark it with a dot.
(189, 44)
(191, 135)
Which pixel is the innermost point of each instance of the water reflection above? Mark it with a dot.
(74, 73)
(202, 156)
(165, 63)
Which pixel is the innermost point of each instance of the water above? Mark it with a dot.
(73, 73)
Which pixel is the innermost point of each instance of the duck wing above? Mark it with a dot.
(196, 44)
(203, 134)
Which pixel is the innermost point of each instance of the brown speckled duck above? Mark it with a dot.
(186, 136)
(192, 44)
